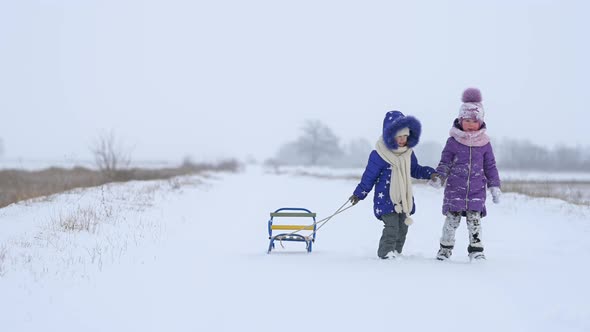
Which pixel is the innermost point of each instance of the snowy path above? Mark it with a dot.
(210, 270)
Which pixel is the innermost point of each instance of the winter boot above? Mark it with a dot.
(389, 255)
(444, 252)
(475, 253)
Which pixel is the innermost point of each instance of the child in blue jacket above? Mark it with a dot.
(390, 168)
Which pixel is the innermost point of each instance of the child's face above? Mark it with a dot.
(401, 140)
(470, 125)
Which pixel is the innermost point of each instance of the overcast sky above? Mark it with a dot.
(215, 79)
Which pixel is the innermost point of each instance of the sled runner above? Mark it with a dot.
(309, 230)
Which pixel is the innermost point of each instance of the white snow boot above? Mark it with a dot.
(389, 255)
(444, 252)
(475, 252)
(476, 255)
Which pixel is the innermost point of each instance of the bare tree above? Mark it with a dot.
(109, 155)
(318, 141)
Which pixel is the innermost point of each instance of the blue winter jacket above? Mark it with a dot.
(378, 171)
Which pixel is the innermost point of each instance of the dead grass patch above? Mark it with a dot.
(3, 254)
(82, 219)
(576, 192)
(20, 185)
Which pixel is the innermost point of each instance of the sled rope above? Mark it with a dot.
(322, 222)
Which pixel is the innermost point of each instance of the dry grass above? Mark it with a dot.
(96, 230)
(3, 253)
(576, 192)
(83, 219)
(19, 185)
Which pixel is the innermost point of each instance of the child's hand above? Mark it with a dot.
(353, 199)
(435, 181)
(496, 193)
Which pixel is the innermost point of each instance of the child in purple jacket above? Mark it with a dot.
(468, 166)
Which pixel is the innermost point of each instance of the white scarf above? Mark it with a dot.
(400, 188)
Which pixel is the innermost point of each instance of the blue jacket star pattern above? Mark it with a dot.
(378, 172)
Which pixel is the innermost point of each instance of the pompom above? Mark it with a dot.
(408, 221)
(471, 95)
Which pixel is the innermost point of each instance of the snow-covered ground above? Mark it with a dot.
(189, 254)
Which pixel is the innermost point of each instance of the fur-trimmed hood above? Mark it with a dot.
(396, 120)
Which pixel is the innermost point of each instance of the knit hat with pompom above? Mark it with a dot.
(472, 107)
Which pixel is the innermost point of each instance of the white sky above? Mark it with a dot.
(235, 78)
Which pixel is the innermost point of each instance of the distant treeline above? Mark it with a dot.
(524, 155)
(319, 146)
(513, 154)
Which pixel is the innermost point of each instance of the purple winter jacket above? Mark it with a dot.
(469, 167)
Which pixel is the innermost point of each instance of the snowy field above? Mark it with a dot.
(189, 254)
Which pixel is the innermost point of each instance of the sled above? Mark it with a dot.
(296, 228)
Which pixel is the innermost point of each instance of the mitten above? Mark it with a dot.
(496, 193)
(353, 199)
(435, 181)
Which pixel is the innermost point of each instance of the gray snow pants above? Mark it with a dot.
(452, 221)
(394, 233)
